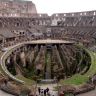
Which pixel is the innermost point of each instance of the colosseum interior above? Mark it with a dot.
(38, 51)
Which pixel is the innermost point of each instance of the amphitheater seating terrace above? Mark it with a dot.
(38, 46)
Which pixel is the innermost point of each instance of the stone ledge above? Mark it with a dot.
(77, 90)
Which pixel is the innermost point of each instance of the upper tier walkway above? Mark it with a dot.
(45, 41)
(50, 41)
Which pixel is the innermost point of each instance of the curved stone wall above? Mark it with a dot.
(56, 50)
(4, 57)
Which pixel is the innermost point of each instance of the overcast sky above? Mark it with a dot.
(63, 6)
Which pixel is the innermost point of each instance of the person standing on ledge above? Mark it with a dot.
(39, 90)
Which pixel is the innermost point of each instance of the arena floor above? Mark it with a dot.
(91, 93)
(2, 93)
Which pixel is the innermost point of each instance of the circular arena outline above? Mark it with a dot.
(13, 48)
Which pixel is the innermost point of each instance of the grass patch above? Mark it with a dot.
(27, 81)
(77, 79)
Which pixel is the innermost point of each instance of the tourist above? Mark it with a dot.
(45, 92)
(39, 90)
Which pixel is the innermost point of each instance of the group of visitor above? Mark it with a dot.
(44, 92)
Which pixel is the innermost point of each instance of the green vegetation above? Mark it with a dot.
(27, 81)
(79, 79)
(48, 65)
(76, 79)
(1, 71)
(92, 69)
